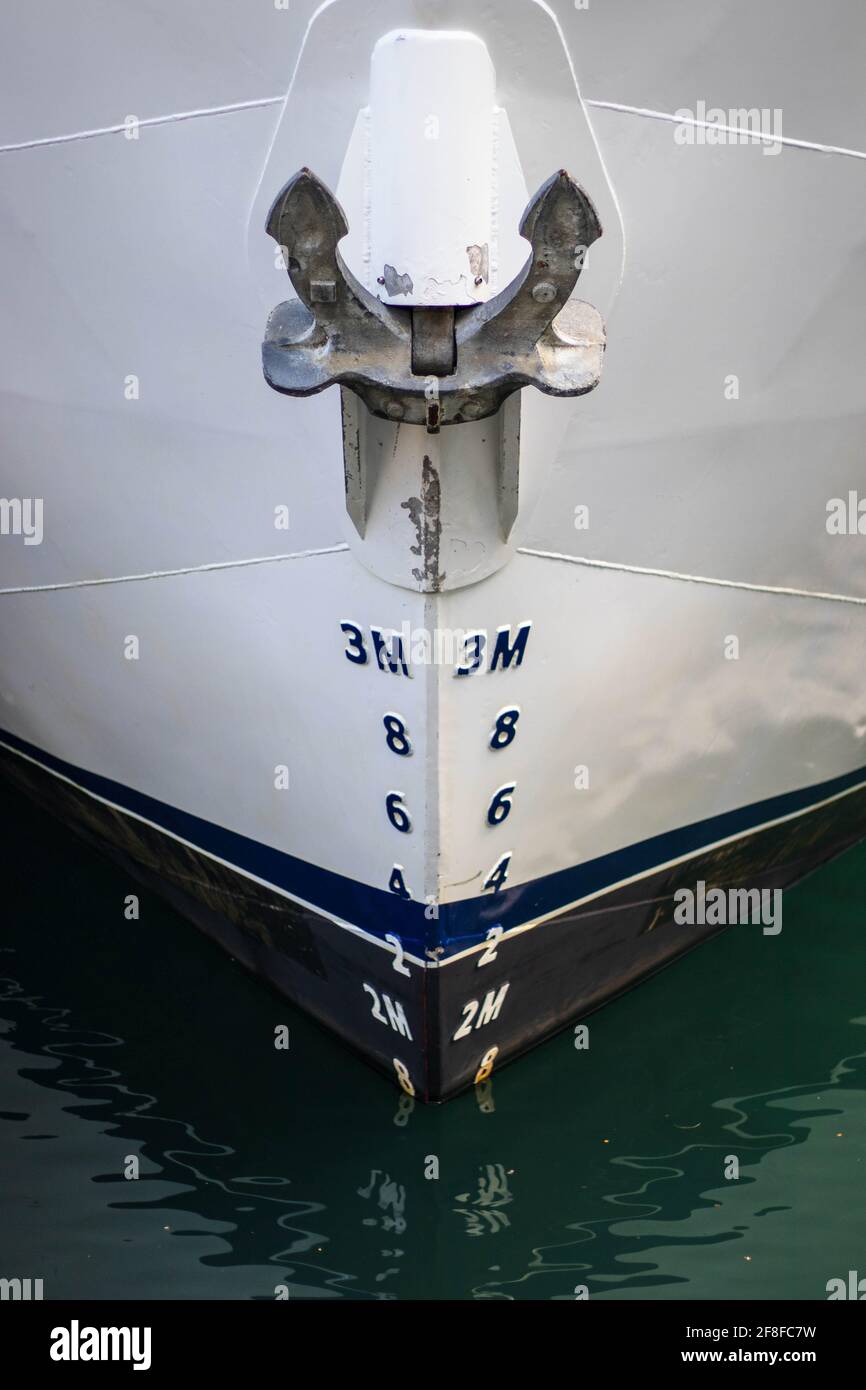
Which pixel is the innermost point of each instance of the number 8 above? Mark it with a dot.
(505, 729)
(397, 737)
(403, 1076)
(486, 1065)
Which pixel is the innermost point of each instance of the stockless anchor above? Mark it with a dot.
(428, 367)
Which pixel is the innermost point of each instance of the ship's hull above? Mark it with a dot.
(542, 978)
(443, 853)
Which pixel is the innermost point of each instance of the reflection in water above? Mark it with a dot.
(391, 1200)
(602, 1167)
(660, 1208)
(483, 1211)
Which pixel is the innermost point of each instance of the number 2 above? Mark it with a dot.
(488, 955)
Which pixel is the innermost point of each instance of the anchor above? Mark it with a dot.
(433, 366)
(431, 341)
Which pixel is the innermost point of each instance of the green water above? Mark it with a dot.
(603, 1168)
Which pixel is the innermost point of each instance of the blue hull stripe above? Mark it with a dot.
(459, 925)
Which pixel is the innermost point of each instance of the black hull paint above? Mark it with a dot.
(556, 973)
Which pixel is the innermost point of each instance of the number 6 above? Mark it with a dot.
(397, 813)
(500, 807)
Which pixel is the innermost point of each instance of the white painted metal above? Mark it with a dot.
(537, 88)
(240, 672)
(443, 187)
(627, 677)
(244, 670)
(438, 506)
(181, 61)
(432, 167)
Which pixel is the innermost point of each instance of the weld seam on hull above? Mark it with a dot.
(755, 137)
(691, 578)
(173, 574)
(145, 121)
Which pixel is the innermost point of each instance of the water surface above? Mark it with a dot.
(602, 1168)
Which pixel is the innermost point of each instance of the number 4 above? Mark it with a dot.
(498, 874)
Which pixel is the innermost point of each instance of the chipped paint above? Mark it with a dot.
(395, 283)
(479, 263)
(425, 513)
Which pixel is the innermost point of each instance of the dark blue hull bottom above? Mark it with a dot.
(438, 1030)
